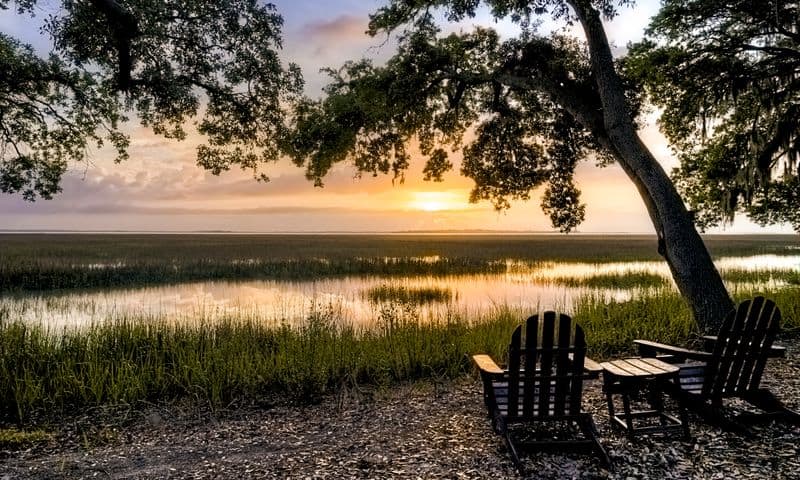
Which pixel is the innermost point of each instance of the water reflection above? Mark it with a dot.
(527, 287)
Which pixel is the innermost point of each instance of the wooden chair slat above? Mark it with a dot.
(749, 343)
(546, 357)
(729, 351)
(769, 321)
(578, 359)
(513, 369)
(531, 340)
(543, 381)
(563, 364)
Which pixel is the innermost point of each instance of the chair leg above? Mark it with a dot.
(589, 430)
(488, 394)
(503, 429)
(498, 423)
(683, 414)
(610, 401)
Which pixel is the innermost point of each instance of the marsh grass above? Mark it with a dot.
(737, 275)
(128, 360)
(621, 281)
(45, 262)
(408, 295)
(37, 275)
(612, 326)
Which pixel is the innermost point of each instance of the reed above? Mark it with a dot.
(620, 281)
(411, 295)
(45, 262)
(132, 360)
(736, 275)
(612, 326)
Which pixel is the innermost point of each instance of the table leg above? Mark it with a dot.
(657, 400)
(626, 407)
(610, 400)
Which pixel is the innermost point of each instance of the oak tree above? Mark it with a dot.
(164, 61)
(727, 75)
(523, 111)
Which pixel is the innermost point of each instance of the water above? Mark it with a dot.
(522, 286)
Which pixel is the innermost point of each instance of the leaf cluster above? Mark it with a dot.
(166, 61)
(498, 103)
(727, 75)
(50, 114)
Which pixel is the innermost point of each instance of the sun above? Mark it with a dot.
(431, 206)
(434, 201)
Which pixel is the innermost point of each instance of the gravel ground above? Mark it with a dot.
(423, 431)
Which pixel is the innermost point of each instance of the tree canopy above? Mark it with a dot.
(165, 61)
(727, 75)
(522, 111)
(509, 106)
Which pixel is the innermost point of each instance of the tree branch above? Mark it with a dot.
(125, 28)
(569, 99)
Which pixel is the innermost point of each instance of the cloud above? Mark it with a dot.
(107, 208)
(343, 27)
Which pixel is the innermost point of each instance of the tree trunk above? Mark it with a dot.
(689, 261)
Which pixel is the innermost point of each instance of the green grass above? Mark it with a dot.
(45, 262)
(139, 360)
(410, 295)
(792, 277)
(611, 327)
(622, 281)
(13, 438)
(127, 360)
(132, 361)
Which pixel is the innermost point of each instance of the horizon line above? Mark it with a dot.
(356, 232)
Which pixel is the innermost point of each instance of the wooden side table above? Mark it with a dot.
(628, 376)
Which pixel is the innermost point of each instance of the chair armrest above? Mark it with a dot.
(592, 368)
(775, 351)
(651, 349)
(486, 365)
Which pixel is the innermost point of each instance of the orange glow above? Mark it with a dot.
(436, 201)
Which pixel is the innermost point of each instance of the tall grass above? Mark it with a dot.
(36, 274)
(44, 262)
(408, 295)
(133, 360)
(622, 280)
(127, 361)
(791, 277)
(612, 326)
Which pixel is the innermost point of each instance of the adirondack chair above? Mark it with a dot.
(731, 368)
(543, 383)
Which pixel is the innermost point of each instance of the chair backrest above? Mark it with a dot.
(741, 350)
(545, 375)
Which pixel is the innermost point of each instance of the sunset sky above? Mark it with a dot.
(161, 189)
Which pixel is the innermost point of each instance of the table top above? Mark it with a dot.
(639, 367)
